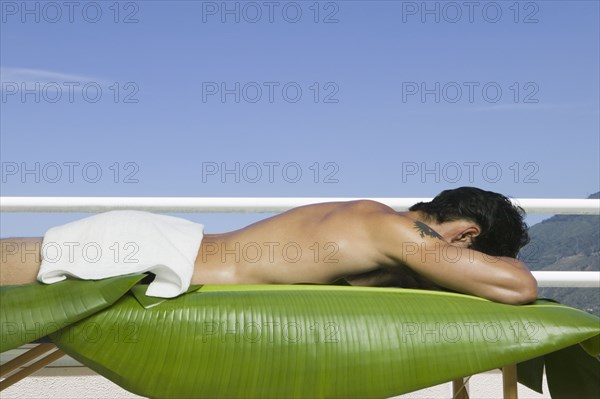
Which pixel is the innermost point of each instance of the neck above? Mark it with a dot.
(421, 217)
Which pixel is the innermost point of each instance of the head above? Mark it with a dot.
(490, 222)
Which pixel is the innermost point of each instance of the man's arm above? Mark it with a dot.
(401, 240)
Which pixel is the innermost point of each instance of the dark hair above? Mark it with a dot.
(503, 231)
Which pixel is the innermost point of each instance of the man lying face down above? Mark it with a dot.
(464, 240)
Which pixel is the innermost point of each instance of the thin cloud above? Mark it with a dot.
(29, 75)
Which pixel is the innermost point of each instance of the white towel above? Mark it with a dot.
(122, 242)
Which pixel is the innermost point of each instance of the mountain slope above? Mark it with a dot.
(568, 243)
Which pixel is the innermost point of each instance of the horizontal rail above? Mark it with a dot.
(567, 279)
(254, 204)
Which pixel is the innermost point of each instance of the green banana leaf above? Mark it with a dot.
(278, 341)
(31, 311)
(569, 372)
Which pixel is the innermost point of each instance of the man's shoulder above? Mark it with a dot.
(367, 205)
(364, 214)
(374, 213)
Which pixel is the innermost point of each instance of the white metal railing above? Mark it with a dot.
(256, 204)
(567, 279)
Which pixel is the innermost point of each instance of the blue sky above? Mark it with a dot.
(381, 98)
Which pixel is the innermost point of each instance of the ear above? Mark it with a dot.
(466, 236)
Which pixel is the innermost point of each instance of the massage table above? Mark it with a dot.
(298, 341)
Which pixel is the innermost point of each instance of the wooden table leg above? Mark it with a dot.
(509, 381)
(459, 389)
(18, 376)
(25, 358)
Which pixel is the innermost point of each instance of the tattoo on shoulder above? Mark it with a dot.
(425, 230)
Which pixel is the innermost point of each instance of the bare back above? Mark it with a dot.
(313, 244)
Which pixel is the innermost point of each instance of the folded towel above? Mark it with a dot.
(122, 242)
